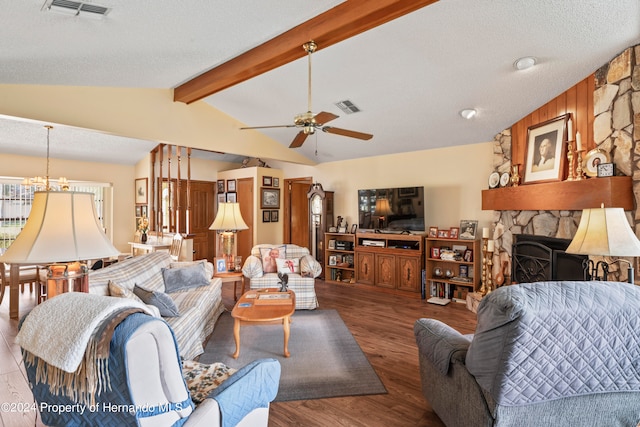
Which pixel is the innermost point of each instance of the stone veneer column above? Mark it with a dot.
(616, 131)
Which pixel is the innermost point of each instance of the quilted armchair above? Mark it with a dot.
(146, 387)
(265, 261)
(543, 354)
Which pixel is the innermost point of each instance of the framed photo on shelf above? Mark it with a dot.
(274, 216)
(266, 216)
(333, 260)
(220, 186)
(141, 191)
(354, 228)
(435, 252)
(443, 234)
(269, 198)
(454, 232)
(232, 197)
(468, 229)
(221, 265)
(276, 182)
(433, 232)
(231, 186)
(266, 181)
(332, 244)
(468, 255)
(464, 271)
(545, 158)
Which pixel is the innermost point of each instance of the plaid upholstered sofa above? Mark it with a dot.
(198, 306)
(546, 354)
(300, 266)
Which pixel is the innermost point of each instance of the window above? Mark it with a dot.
(16, 200)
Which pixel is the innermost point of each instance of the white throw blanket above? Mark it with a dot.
(58, 330)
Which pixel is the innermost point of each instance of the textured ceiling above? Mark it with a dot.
(410, 77)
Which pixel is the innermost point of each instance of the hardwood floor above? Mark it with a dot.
(382, 324)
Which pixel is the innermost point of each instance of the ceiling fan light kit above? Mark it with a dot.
(309, 122)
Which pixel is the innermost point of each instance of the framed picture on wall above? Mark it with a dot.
(232, 197)
(266, 216)
(231, 185)
(276, 182)
(266, 181)
(545, 158)
(274, 216)
(141, 191)
(222, 198)
(269, 198)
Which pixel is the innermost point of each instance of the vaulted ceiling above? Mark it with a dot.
(410, 76)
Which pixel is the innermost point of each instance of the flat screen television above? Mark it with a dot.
(392, 210)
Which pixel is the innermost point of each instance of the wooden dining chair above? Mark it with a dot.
(176, 246)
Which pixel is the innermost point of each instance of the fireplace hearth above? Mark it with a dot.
(541, 258)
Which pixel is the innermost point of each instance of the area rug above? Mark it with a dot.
(325, 360)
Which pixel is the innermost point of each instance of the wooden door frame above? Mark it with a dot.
(286, 211)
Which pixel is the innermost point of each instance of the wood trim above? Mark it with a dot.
(566, 195)
(335, 25)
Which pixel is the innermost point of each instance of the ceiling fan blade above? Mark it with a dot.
(323, 117)
(349, 133)
(299, 139)
(268, 127)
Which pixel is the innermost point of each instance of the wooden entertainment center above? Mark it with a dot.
(392, 262)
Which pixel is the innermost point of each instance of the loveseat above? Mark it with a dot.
(543, 354)
(197, 298)
(301, 269)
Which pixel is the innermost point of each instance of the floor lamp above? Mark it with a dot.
(605, 232)
(228, 221)
(63, 232)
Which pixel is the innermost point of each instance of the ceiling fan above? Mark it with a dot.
(309, 122)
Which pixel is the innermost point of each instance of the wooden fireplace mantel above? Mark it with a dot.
(613, 191)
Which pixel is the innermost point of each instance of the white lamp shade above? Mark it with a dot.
(228, 218)
(62, 226)
(604, 232)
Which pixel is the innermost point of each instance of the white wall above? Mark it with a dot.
(453, 179)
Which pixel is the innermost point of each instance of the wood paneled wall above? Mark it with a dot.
(578, 101)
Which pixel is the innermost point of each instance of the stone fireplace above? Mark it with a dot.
(616, 130)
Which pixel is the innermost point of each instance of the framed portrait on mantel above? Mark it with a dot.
(545, 152)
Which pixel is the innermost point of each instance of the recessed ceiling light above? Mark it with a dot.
(468, 113)
(524, 63)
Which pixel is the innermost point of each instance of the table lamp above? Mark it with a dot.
(227, 222)
(605, 232)
(382, 210)
(62, 227)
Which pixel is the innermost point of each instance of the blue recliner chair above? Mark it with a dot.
(148, 389)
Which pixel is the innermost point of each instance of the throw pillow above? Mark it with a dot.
(161, 300)
(116, 290)
(201, 379)
(309, 267)
(269, 256)
(288, 265)
(180, 279)
(207, 265)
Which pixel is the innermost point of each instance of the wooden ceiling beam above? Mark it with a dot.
(335, 25)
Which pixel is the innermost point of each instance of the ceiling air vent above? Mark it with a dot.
(347, 106)
(69, 7)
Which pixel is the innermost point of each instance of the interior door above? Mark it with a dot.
(244, 188)
(296, 211)
(203, 201)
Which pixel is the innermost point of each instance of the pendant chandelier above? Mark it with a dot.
(44, 183)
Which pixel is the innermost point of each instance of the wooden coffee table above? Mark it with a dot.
(249, 310)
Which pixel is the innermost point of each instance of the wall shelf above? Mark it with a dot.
(615, 191)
